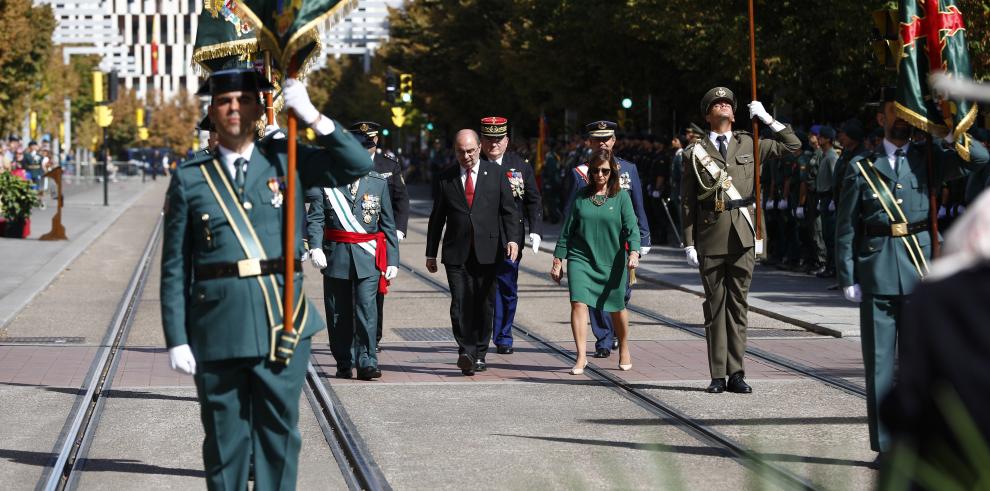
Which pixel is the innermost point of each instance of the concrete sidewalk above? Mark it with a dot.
(795, 298)
(29, 265)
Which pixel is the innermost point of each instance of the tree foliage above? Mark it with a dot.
(519, 58)
(26, 40)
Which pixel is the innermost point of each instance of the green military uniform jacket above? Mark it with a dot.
(707, 229)
(883, 265)
(372, 207)
(226, 317)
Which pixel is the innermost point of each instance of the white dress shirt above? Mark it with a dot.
(714, 138)
(228, 157)
(890, 149)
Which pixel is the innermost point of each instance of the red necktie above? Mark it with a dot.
(469, 188)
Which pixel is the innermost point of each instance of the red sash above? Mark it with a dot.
(381, 253)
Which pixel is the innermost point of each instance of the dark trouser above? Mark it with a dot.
(878, 317)
(351, 319)
(828, 228)
(726, 280)
(250, 407)
(380, 304)
(601, 324)
(506, 299)
(472, 291)
(811, 233)
(792, 244)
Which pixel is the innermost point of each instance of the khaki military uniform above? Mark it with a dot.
(724, 241)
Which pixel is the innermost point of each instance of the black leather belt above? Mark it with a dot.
(243, 269)
(731, 204)
(894, 229)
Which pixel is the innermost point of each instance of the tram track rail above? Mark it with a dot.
(84, 420)
(745, 456)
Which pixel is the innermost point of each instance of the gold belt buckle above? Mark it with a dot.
(248, 267)
(898, 229)
(719, 205)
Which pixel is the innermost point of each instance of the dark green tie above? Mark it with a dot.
(239, 165)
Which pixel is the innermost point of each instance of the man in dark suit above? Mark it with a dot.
(477, 208)
(385, 165)
(526, 194)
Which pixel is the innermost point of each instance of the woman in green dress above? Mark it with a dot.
(594, 241)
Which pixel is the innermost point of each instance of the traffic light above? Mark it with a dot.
(627, 103)
(384, 131)
(390, 88)
(406, 87)
(97, 86)
(429, 126)
(112, 86)
(139, 116)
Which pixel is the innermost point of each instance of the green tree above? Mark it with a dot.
(25, 35)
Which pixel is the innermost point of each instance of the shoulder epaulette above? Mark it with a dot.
(198, 158)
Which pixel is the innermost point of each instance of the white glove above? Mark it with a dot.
(182, 360)
(692, 256)
(782, 204)
(391, 272)
(536, 240)
(853, 293)
(771, 204)
(401, 235)
(274, 129)
(318, 258)
(799, 212)
(297, 99)
(831, 206)
(644, 250)
(756, 110)
(942, 212)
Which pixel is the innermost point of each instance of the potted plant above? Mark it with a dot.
(16, 201)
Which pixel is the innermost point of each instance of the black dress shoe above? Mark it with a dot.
(368, 373)
(602, 353)
(738, 385)
(343, 373)
(716, 387)
(466, 364)
(504, 350)
(480, 366)
(615, 343)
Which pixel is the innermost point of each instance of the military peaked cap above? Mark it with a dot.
(715, 95)
(601, 129)
(494, 126)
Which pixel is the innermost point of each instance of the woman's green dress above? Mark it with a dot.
(593, 240)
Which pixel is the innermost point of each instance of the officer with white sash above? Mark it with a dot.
(351, 232)
(717, 216)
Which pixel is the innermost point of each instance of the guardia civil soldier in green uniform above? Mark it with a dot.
(388, 167)
(810, 223)
(717, 218)
(221, 281)
(882, 241)
(352, 233)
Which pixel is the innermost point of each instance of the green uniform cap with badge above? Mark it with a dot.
(715, 95)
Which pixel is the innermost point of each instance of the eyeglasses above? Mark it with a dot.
(605, 171)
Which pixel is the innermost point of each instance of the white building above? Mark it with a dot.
(361, 32)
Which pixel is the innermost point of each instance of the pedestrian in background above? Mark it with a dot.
(593, 239)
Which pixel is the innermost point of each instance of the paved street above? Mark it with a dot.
(423, 423)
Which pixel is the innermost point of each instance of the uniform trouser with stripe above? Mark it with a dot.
(506, 299)
(879, 316)
(251, 406)
(352, 316)
(601, 324)
(726, 279)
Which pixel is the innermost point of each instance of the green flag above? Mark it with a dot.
(224, 37)
(933, 36)
(288, 29)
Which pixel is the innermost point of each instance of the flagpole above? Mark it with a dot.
(289, 247)
(756, 129)
(269, 99)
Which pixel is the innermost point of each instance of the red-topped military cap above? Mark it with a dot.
(495, 126)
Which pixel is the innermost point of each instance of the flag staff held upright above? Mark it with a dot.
(756, 134)
(269, 99)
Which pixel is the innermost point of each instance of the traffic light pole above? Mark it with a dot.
(106, 168)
